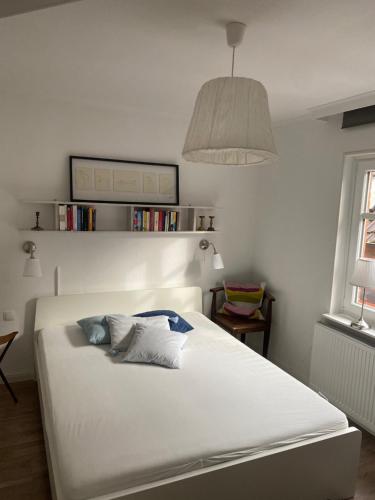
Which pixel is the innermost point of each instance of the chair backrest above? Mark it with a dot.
(4, 339)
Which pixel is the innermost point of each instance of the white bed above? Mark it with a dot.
(221, 424)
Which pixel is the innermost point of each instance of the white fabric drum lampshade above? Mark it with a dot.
(217, 261)
(364, 274)
(231, 124)
(32, 268)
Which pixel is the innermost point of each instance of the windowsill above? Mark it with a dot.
(341, 322)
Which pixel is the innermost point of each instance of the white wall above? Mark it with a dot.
(296, 226)
(278, 222)
(36, 138)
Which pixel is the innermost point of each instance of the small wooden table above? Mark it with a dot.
(7, 339)
(236, 325)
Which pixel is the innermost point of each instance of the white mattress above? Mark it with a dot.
(114, 426)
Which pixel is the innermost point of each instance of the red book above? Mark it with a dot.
(160, 227)
(69, 218)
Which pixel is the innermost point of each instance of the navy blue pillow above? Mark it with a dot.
(176, 323)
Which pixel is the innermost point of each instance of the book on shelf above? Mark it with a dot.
(62, 217)
(76, 218)
(154, 219)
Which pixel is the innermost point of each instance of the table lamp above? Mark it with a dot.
(363, 277)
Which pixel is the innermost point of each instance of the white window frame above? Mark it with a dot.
(349, 233)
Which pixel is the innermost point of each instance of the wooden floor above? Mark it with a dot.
(23, 468)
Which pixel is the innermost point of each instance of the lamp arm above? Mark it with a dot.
(29, 247)
(205, 245)
(213, 246)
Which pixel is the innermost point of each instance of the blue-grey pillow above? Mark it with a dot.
(157, 346)
(177, 323)
(96, 329)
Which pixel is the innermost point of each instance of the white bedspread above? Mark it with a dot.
(114, 426)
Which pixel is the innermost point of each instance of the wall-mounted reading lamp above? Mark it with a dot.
(217, 261)
(32, 265)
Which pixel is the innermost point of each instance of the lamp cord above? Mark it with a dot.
(234, 48)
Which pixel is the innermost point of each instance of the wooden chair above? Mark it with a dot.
(236, 325)
(7, 339)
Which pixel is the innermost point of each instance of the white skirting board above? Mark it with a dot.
(343, 370)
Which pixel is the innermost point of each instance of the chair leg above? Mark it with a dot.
(6, 383)
(243, 338)
(266, 341)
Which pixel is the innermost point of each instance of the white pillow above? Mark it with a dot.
(121, 328)
(154, 345)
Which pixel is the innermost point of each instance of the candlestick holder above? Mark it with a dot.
(211, 227)
(37, 227)
(201, 223)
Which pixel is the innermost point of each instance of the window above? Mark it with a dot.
(356, 235)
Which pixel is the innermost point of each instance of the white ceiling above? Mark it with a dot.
(155, 54)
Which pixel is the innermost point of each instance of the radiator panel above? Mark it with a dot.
(343, 370)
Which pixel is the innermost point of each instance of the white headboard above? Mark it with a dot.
(65, 309)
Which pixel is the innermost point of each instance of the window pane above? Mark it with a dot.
(370, 201)
(370, 297)
(367, 238)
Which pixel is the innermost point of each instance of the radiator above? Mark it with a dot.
(343, 370)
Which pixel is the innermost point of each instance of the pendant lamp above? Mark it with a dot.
(231, 123)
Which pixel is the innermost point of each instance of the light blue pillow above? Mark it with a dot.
(96, 329)
(157, 346)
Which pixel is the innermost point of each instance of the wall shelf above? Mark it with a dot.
(116, 217)
(140, 233)
(105, 204)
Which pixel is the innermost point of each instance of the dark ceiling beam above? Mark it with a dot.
(14, 7)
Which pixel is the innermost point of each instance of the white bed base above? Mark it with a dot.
(322, 468)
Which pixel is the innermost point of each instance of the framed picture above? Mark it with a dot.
(121, 181)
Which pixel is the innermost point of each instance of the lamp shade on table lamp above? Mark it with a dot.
(364, 274)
